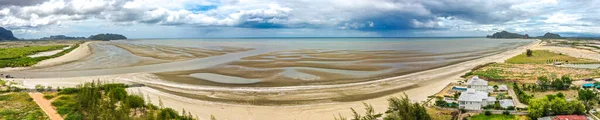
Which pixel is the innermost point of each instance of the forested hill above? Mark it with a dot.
(62, 37)
(107, 36)
(6, 34)
(505, 34)
(551, 36)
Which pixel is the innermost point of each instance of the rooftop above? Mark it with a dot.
(505, 103)
(473, 95)
(502, 87)
(475, 80)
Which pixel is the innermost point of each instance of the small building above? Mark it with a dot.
(571, 117)
(473, 99)
(477, 84)
(502, 88)
(505, 103)
(557, 63)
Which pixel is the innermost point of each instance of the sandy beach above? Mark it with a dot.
(417, 86)
(82, 51)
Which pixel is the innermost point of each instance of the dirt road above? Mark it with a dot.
(45, 105)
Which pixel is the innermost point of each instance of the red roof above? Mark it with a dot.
(570, 117)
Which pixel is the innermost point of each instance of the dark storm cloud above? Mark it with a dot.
(6, 3)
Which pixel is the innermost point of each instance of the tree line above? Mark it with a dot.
(399, 109)
(96, 100)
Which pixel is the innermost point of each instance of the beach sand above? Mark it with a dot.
(417, 86)
(78, 53)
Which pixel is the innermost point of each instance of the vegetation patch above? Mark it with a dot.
(554, 105)
(531, 72)
(19, 106)
(18, 56)
(437, 114)
(93, 101)
(399, 109)
(546, 57)
(494, 117)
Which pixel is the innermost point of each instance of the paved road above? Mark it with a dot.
(45, 105)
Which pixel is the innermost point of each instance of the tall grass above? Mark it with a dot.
(546, 57)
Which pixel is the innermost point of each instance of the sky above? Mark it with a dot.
(298, 18)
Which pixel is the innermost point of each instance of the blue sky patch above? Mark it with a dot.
(201, 8)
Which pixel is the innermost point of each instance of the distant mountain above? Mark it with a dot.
(107, 36)
(62, 37)
(6, 34)
(505, 34)
(551, 36)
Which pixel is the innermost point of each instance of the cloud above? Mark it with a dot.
(7, 3)
(379, 16)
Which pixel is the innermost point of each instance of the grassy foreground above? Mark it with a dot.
(546, 57)
(92, 101)
(19, 106)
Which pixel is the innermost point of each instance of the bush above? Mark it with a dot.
(487, 113)
(64, 110)
(441, 103)
(74, 116)
(462, 110)
(39, 88)
(66, 91)
(510, 108)
(506, 113)
(49, 96)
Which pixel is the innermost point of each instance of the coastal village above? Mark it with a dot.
(542, 84)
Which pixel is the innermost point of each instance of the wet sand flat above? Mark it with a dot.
(322, 66)
(304, 101)
(171, 53)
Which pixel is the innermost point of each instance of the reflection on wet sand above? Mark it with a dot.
(319, 67)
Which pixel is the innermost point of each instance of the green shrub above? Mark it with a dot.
(506, 113)
(74, 116)
(487, 113)
(63, 110)
(49, 96)
(68, 91)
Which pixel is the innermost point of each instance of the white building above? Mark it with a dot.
(506, 103)
(503, 88)
(473, 99)
(478, 84)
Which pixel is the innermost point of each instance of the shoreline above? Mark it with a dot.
(428, 83)
(78, 53)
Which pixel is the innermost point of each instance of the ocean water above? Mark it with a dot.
(113, 60)
(436, 45)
